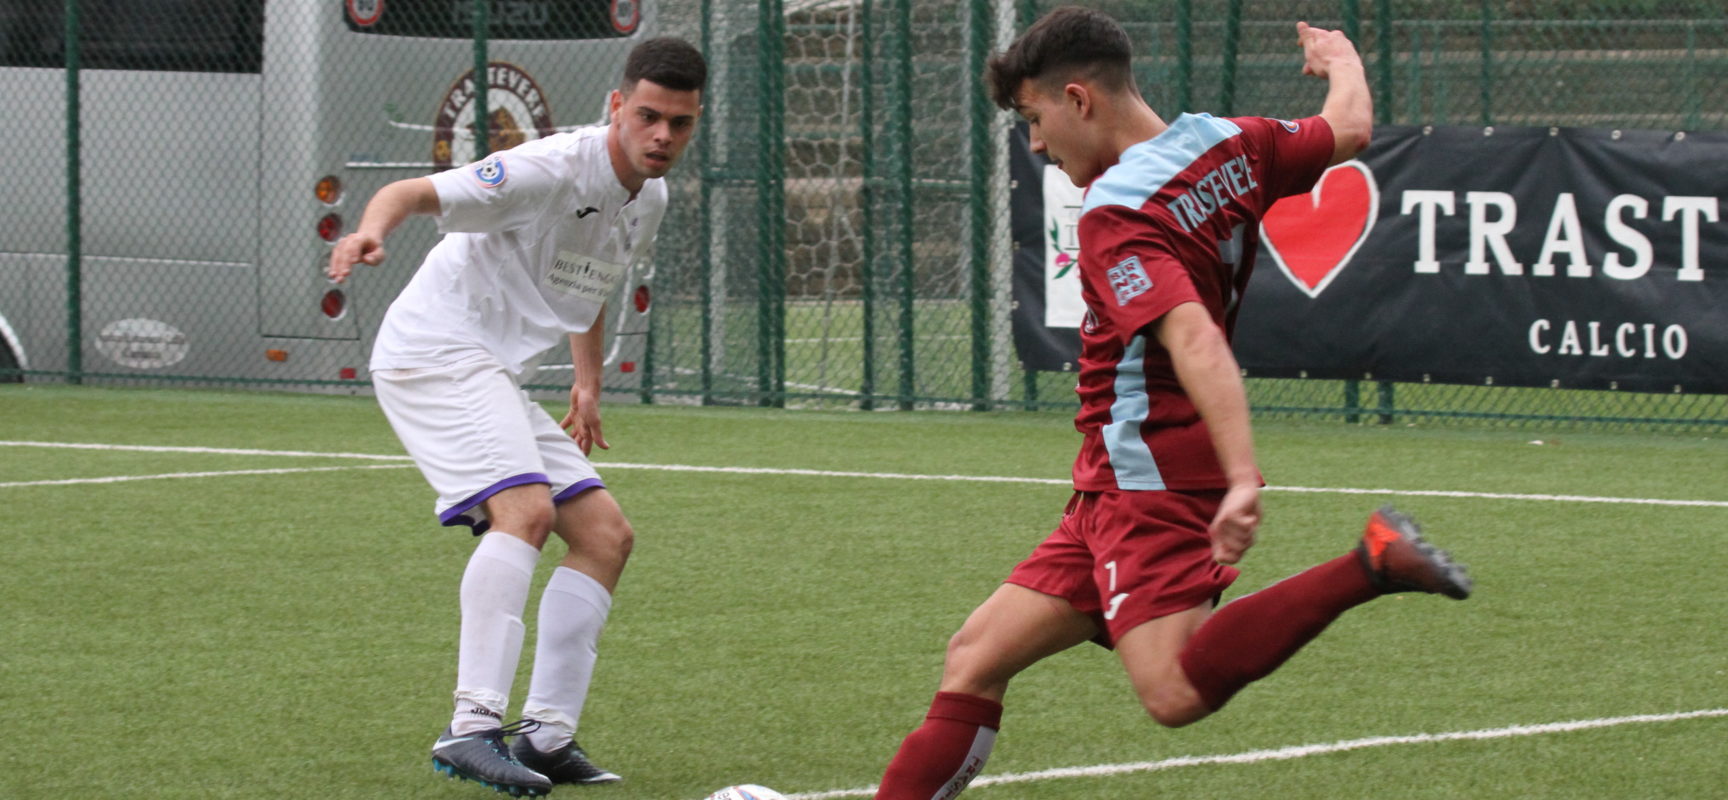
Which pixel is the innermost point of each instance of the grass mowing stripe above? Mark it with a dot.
(1551, 498)
(1301, 751)
(171, 475)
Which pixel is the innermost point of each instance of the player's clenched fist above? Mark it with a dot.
(353, 249)
(1321, 48)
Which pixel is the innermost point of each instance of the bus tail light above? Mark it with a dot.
(329, 190)
(334, 303)
(330, 227)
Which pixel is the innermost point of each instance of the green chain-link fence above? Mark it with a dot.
(837, 236)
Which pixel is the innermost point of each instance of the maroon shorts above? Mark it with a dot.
(1126, 558)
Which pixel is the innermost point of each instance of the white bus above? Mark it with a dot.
(226, 145)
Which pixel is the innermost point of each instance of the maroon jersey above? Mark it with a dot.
(1176, 220)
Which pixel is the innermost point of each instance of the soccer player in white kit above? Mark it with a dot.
(535, 240)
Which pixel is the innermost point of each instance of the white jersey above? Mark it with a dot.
(536, 239)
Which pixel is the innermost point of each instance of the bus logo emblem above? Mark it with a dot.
(626, 15)
(365, 13)
(518, 114)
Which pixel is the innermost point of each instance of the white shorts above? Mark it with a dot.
(473, 432)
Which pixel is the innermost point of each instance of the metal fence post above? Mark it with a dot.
(1184, 55)
(771, 203)
(1694, 102)
(645, 389)
(74, 203)
(867, 199)
(982, 226)
(1232, 40)
(1027, 12)
(482, 134)
(1487, 62)
(1383, 116)
(1383, 42)
(705, 232)
(900, 111)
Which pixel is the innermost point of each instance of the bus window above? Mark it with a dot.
(154, 35)
(510, 19)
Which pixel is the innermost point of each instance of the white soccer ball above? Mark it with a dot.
(748, 791)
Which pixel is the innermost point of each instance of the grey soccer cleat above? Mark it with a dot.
(1399, 560)
(485, 759)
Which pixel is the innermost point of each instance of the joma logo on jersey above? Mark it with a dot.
(1128, 279)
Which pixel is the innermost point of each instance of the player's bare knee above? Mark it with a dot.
(609, 539)
(960, 648)
(537, 521)
(530, 522)
(1173, 706)
(968, 668)
(620, 538)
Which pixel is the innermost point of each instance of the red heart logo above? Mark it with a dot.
(1312, 236)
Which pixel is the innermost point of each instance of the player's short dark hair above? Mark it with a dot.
(1067, 44)
(668, 61)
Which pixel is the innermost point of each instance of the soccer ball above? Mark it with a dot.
(748, 791)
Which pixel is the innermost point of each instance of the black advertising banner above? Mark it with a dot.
(1039, 194)
(1577, 258)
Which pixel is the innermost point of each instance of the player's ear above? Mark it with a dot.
(1078, 96)
(614, 101)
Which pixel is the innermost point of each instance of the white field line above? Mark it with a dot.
(224, 451)
(171, 475)
(1299, 751)
(909, 476)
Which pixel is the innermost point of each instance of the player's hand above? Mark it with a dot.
(355, 248)
(583, 421)
(1321, 47)
(1233, 528)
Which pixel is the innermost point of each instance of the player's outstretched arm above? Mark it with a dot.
(1349, 107)
(1212, 380)
(387, 209)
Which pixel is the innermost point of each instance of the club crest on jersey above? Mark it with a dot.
(490, 172)
(1128, 279)
(1289, 126)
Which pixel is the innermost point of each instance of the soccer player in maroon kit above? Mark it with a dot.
(1167, 494)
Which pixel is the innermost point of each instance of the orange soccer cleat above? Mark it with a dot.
(1399, 560)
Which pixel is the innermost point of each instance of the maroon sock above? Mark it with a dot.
(936, 761)
(1252, 635)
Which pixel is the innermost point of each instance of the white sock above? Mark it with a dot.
(494, 592)
(572, 612)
